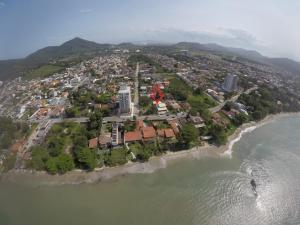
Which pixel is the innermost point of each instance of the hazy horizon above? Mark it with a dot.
(267, 27)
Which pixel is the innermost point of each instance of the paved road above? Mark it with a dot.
(136, 90)
(148, 117)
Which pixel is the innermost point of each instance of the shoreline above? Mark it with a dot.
(155, 163)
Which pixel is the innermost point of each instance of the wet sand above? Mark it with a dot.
(154, 163)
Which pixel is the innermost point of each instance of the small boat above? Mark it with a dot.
(253, 184)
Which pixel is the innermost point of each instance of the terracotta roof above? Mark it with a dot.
(160, 133)
(132, 136)
(169, 133)
(148, 132)
(105, 138)
(174, 127)
(139, 124)
(93, 143)
(42, 111)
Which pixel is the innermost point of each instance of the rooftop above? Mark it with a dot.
(93, 143)
(148, 132)
(132, 136)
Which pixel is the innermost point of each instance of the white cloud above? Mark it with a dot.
(85, 10)
(2, 4)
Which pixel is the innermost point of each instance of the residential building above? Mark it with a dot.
(230, 83)
(132, 136)
(124, 99)
(148, 133)
(161, 108)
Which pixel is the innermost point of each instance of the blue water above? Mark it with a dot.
(200, 191)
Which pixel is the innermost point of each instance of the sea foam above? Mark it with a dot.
(228, 152)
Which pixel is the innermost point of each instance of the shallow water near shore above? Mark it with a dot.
(209, 190)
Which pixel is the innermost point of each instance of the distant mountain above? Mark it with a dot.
(73, 47)
(78, 47)
(289, 65)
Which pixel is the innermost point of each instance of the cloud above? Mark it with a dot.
(223, 36)
(2, 4)
(85, 10)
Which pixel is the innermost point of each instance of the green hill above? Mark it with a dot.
(41, 61)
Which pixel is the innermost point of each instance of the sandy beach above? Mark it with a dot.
(155, 163)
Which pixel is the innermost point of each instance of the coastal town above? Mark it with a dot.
(131, 104)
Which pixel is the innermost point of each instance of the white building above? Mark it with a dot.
(124, 99)
(161, 108)
(230, 83)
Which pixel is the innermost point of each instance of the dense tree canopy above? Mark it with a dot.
(189, 133)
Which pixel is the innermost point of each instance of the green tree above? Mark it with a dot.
(71, 112)
(51, 166)
(144, 101)
(189, 133)
(219, 134)
(143, 155)
(64, 163)
(39, 157)
(55, 145)
(86, 158)
(240, 118)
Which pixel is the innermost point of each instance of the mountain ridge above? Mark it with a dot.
(12, 68)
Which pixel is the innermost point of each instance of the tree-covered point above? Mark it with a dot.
(189, 134)
(268, 100)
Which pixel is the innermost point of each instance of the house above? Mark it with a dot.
(93, 143)
(148, 133)
(196, 120)
(174, 127)
(57, 111)
(185, 105)
(169, 133)
(161, 108)
(217, 119)
(230, 114)
(132, 136)
(104, 139)
(42, 112)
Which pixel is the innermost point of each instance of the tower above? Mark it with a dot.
(124, 99)
(230, 83)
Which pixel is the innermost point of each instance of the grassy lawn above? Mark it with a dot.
(43, 71)
(135, 148)
(116, 157)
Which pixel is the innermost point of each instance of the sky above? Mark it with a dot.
(268, 26)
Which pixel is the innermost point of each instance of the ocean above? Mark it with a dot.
(208, 190)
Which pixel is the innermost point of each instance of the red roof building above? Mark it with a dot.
(93, 143)
(174, 127)
(169, 133)
(132, 136)
(148, 132)
(161, 133)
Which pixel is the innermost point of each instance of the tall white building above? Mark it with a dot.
(230, 83)
(124, 99)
